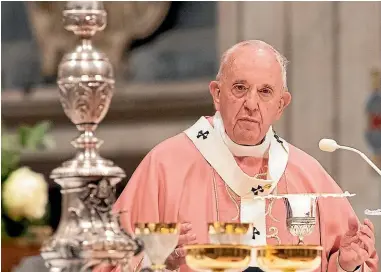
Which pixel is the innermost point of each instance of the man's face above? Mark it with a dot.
(250, 94)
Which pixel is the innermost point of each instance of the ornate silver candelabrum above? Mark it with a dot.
(89, 233)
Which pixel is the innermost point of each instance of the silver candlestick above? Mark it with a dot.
(89, 233)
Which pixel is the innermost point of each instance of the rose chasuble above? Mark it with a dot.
(201, 176)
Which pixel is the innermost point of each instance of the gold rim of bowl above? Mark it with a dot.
(270, 247)
(161, 228)
(228, 228)
(217, 246)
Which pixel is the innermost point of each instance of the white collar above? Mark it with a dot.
(242, 150)
(217, 154)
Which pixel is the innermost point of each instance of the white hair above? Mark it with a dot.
(259, 44)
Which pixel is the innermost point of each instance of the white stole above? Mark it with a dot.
(209, 141)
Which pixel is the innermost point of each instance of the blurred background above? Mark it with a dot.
(165, 54)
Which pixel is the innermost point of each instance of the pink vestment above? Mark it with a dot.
(174, 183)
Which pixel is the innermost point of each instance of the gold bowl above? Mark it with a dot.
(218, 257)
(230, 233)
(288, 258)
(157, 228)
(228, 228)
(159, 239)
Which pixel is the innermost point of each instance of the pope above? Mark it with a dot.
(213, 170)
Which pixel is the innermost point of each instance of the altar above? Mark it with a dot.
(157, 95)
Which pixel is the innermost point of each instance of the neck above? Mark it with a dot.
(260, 142)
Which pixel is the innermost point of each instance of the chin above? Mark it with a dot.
(250, 142)
(248, 138)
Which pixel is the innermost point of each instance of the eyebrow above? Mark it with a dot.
(268, 86)
(240, 81)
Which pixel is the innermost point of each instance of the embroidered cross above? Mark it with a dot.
(277, 138)
(203, 134)
(255, 232)
(258, 189)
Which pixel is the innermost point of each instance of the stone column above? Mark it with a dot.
(360, 51)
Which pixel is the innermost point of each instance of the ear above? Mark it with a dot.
(215, 91)
(283, 103)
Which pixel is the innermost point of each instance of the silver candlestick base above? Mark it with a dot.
(89, 233)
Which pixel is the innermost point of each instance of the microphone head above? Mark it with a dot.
(328, 145)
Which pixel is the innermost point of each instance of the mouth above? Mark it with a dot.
(247, 119)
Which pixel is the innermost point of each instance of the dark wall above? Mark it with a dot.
(20, 53)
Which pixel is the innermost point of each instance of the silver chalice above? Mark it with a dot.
(300, 221)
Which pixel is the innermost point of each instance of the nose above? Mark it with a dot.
(251, 101)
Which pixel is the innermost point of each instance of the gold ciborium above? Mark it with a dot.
(288, 258)
(230, 233)
(160, 239)
(218, 258)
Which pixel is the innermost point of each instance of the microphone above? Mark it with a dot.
(329, 145)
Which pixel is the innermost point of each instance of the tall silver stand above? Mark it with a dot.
(89, 233)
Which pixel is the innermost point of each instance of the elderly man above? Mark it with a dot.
(212, 171)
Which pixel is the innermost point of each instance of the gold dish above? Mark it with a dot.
(288, 258)
(218, 257)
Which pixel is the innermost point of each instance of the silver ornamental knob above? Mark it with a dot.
(84, 18)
